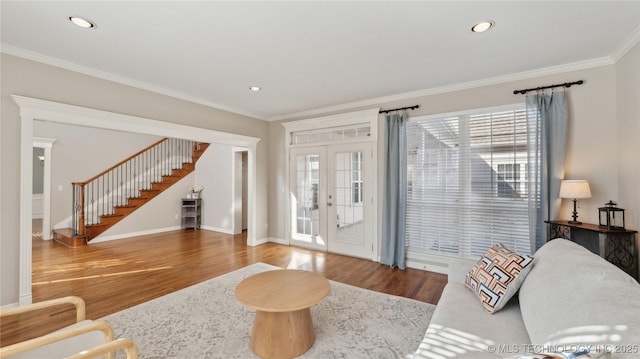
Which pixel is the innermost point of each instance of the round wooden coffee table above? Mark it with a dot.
(282, 298)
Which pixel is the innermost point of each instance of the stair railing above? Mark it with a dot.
(100, 194)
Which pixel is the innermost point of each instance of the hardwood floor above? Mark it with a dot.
(116, 275)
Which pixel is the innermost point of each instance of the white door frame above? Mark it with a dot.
(32, 109)
(370, 117)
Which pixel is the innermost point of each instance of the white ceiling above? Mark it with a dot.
(312, 57)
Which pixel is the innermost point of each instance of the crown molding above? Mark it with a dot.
(53, 61)
(575, 66)
(626, 45)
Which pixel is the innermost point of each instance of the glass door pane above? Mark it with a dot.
(349, 196)
(308, 221)
(307, 175)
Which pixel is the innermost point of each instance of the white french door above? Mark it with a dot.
(331, 198)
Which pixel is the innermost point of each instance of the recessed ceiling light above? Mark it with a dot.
(482, 26)
(255, 88)
(84, 23)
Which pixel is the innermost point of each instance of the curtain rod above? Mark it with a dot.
(566, 84)
(401, 108)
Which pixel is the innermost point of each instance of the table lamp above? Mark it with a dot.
(575, 190)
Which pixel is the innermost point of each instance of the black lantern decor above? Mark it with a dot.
(611, 217)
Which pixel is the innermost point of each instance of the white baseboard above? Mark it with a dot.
(278, 240)
(258, 242)
(217, 229)
(431, 263)
(133, 234)
(10, 305)
(26, 299)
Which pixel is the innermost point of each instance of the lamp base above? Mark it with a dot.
(575, 214)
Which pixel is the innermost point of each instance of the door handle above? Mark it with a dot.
(329, 204)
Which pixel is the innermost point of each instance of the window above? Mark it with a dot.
(331, 134)
(467, 182)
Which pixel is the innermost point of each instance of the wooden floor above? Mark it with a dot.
(116, 275)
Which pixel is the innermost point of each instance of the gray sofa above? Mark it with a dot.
(571, 299)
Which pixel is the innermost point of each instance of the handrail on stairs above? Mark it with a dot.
(100, 194)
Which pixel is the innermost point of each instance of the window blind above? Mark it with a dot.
(467, 182)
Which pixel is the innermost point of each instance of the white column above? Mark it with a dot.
(26, 183)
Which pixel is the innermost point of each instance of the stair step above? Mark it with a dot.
(160, 186)
(137, 201)
(149, 193)
(93, 230)
(188, 166)
(65, 237)
(110, 219)
(124, 210)
(171, 179)
(181, 172)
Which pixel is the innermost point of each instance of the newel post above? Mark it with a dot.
(78, 209)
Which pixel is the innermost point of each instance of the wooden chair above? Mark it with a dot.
(83, 340)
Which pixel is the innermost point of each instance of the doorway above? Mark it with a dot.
(69, 114)
(331, 198)
(240, 189)
(41, 185)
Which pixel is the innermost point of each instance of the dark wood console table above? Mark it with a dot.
(618, 246)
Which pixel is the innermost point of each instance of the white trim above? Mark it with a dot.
(626, 45)
(10, 305)
(553, 70)
(633, 39)
(428, 262)
(35, 109)
(260, 242)
(369, 116)
(278, 241)
(217, 229)
(49, 60)
(82, 116)
(133, 234)
(26, 184)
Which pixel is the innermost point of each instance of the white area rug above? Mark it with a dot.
(206, 321)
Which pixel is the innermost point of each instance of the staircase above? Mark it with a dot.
(105, 199)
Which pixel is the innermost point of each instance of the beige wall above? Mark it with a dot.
(594, 131)
(628, 141)
(32, 79)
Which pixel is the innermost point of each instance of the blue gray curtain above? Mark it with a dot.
(395, 191)
(547, 141)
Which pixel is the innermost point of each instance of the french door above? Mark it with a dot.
(331, 198)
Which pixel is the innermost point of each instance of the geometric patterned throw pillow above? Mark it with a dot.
(497, 276)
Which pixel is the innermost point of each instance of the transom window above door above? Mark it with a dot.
(332, 134)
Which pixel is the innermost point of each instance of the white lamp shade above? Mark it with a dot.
(575, 189)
